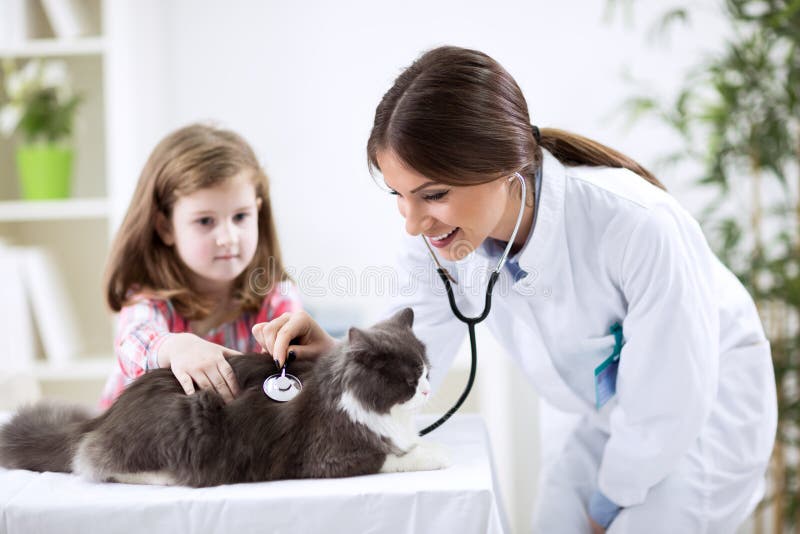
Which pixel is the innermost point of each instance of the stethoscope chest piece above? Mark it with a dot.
(282, 387)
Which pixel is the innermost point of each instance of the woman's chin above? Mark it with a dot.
(458, 250)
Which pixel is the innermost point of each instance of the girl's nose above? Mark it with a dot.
(227, 235)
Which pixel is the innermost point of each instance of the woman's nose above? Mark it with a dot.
(417, 220)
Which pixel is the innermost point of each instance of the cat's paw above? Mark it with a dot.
(436, 455)
(423, 457)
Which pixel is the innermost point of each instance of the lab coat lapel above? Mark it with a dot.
(546, 260)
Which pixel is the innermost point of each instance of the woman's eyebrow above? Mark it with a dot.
(423, 186)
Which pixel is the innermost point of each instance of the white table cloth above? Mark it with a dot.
(461, 499)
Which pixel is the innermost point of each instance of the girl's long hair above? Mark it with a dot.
(457, 116)
(189, 159)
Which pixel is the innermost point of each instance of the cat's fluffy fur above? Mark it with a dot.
(353, 417)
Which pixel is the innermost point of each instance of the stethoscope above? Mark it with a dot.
(472, 321)
(282, 386)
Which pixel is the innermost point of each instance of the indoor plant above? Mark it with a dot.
(738, 113)
(40, 105)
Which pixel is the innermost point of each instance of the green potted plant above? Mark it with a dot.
(40, 105)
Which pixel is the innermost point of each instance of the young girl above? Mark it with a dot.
(674, 431)
(195, 264)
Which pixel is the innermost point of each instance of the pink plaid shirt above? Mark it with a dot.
(145, 324)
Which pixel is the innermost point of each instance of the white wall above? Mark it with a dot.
(301, 80)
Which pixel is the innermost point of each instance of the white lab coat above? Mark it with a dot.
(694, 417)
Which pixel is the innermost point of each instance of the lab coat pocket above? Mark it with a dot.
(580, 358)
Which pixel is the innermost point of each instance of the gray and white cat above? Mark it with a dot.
(354, 416)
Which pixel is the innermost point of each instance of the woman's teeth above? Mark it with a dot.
(443, 236)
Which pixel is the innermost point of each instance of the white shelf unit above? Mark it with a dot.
(75, 231)
(53, 210)
(46, 48)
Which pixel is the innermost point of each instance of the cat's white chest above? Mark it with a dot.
(396, 426)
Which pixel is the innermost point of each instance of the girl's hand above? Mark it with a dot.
(596, 529)
(194, 360)
(296, 332)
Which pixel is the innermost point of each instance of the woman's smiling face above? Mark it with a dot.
(455, 219)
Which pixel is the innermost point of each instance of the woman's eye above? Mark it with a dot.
(436, 196)
(393, 192)
(205, 221)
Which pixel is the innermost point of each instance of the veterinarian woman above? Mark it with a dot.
(676, 432)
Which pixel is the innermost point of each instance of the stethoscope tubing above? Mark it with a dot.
(472, 321)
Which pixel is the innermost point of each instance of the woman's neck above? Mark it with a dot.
(506, 228)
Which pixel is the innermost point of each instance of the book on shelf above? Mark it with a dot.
(20, 20)
(69, 18)
(17, 337)
(53, 313)
(35, 307)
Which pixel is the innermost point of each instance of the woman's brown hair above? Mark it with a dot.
(457, 117)
(189, 159)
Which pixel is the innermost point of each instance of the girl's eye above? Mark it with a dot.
(205, 221)
(436, 196)
(393, 192)
(239, 217)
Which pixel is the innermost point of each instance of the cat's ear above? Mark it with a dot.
(362, 351)
(404, 317)
(356, 338)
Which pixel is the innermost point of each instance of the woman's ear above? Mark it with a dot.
(164, 229)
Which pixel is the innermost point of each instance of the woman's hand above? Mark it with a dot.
(596, 529)
(294, 332)
(194, 360)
